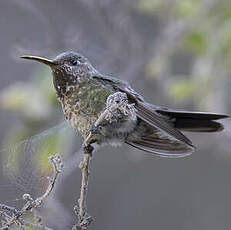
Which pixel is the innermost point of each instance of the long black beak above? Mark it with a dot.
(40, 59)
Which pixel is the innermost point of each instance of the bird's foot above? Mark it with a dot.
(94, 132)
(88, 149)
(95, 129)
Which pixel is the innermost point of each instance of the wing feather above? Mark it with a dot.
(156, 121)
(154, 140)
(158, 135)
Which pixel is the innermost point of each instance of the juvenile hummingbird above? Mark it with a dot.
(83, 93)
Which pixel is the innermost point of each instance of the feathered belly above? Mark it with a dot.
(83, 104)
(80, 119)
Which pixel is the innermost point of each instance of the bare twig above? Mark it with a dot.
(14, 216)
(57, 166)
(84, 166)
(84, 220)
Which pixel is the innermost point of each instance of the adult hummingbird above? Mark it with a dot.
(83, 92)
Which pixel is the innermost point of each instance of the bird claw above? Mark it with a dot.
(95, 129)
(88, 149)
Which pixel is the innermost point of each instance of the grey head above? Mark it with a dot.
(68, 68)
(71, 59)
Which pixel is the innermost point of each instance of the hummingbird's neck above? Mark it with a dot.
(60, 82)
(65, 77)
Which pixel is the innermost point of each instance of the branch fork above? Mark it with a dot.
(13, 216)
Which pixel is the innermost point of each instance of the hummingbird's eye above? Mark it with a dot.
(74, 62)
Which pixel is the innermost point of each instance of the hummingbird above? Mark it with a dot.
(83, 93)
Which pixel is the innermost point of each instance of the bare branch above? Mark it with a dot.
(57, 167)
(84, 220)
(14, 216)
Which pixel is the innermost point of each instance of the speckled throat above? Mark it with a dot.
(82, 97)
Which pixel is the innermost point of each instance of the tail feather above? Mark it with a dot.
(195, 121)
(195, 125)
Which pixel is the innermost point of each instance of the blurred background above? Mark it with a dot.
(176, 53)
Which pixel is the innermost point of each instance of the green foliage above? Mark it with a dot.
(196, 42)
(55, 144)
(225, 43)
(34, 99)
(154, 68)
(149, 6)
(180, 9)
(187, 8)
(44, 81)
(33, 152)
(221, 11)
(36, 102)
(182, 90)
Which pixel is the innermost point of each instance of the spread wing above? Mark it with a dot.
(155, 133)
